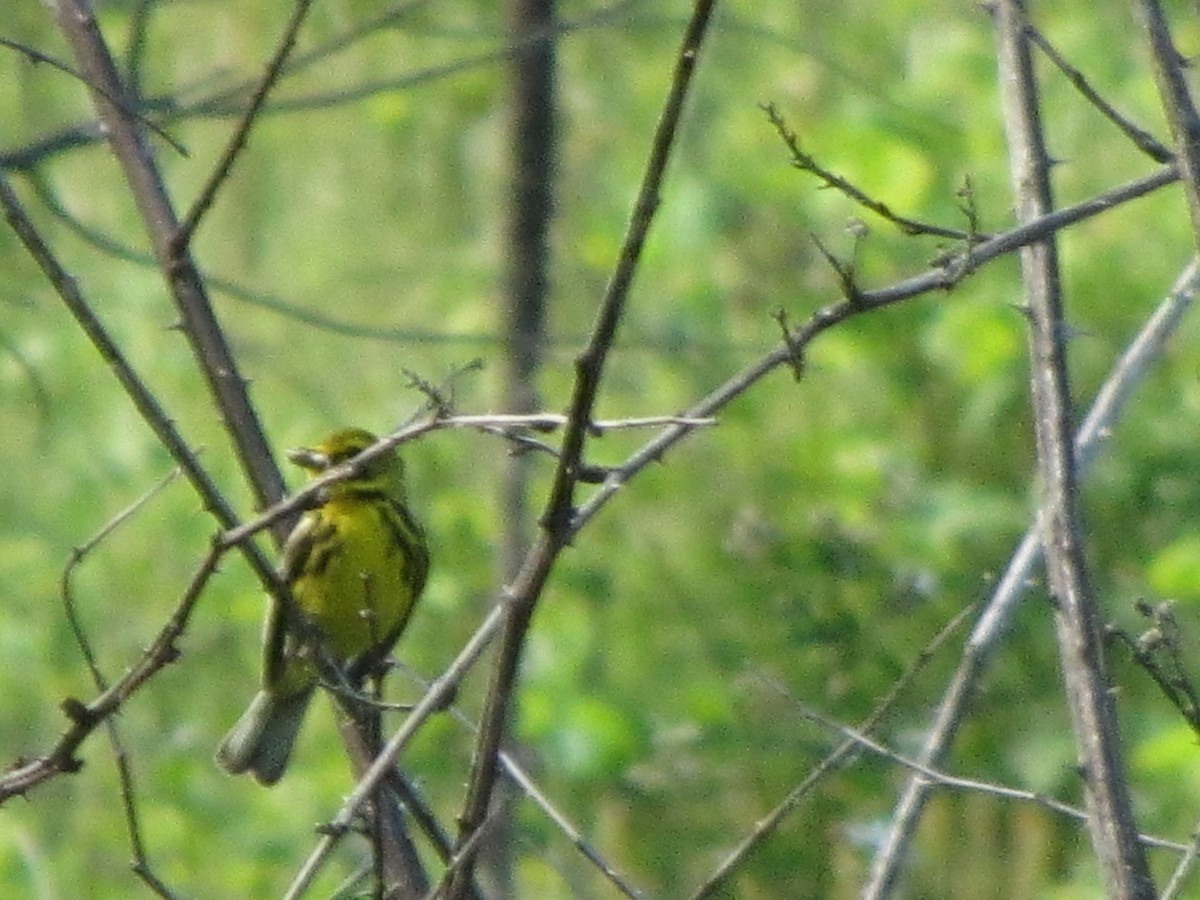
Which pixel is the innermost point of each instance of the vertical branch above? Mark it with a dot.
(590, 363)
(1013, 584)
(400, 875)
(436, 698)
(557, 519)
(1177, 103)
(532, 152)
(1111, 822)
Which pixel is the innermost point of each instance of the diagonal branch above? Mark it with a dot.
(1177, 103)
(941, 277)
(241, 134)
(148, 407)
(769, 823)
(85, 718)
(557, 519)
(1142, 139)
(199, 322)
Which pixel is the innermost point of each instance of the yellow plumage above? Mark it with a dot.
(356, 564)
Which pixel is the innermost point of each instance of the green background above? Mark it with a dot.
(816, 539)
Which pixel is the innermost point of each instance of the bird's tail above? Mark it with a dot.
(261, 741)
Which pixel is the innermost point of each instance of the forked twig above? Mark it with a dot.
(806, 162)
(770, 822)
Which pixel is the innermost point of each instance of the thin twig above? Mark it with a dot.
(770, 822)
(464, 854)
(806, 162)
(38, 57)
(135, 52)
(526, 783)
(943, 779)
(241, 133)
(553, 421)
(1183, 869)
(230, 102)
(141, 860)
(1145, 141)
(147, 405)
(85, 718)
(1160, 651)
(942, 277)
(78, 554)
(418, 807)
(1178, 106)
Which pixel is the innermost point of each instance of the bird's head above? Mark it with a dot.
(384, 472)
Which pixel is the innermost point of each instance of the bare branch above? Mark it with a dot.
(432, 701)
(557, 519)
(141, 860)
(237, 141)
(1183, 869)
(1113, 830)
(40, 58)
(85, 718)
(771, 822)
(199, 323)
(806, 162)
(147, 405)
(1097, 426)
(1177, 103)
(943, 779)
(1145, 141)
(938, 278)
(1160, 651)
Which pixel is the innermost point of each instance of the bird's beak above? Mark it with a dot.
(309, 459)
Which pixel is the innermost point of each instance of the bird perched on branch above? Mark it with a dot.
(355, 565)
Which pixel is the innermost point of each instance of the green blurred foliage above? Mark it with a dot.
(814, 540)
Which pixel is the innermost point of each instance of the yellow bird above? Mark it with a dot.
(356, 564)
